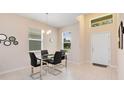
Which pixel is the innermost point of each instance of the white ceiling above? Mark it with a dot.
(53, 19)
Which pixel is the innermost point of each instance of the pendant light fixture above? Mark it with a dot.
(48, 30)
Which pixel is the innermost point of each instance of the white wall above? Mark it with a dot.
(120, 54)
(74, 54)
(120, 64)
(112, 28)
(14, 57)
(82, 36)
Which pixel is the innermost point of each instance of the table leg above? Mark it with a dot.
(66, 62)
(41, 71)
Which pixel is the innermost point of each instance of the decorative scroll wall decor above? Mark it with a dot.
(7, 41)
(120, 35)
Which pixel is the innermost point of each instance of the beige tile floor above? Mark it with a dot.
(73, 72)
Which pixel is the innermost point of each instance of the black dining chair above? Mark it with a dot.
(55, 60)
(63, 54)
(44, 55)
(35, 62)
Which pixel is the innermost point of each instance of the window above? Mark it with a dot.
(35, 40)
(66, 38)
(102, 21)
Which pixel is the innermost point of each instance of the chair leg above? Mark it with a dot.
(48, 67)
(66, 63)
(52, 67)
(32, 71)
(41, 72)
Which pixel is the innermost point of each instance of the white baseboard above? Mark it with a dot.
(12, 70)
(87, 61)
(112, 66)
(74, 61)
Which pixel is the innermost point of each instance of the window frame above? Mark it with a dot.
(67, 50)
(34, 39)
(102, 16)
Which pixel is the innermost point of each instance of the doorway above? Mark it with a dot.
(101, 48)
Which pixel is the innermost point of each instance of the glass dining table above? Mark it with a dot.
(44, 57)
(47, 57)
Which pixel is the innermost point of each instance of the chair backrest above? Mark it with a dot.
(33, 59)
(57, 57)
(43, 52)
(63, 54)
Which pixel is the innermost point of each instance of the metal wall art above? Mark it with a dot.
(3, 37)
(120, 35)
(8, 41)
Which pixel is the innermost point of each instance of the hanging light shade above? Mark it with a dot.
(42, 31)
(48, 30)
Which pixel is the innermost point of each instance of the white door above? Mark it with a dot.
(100, 46)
